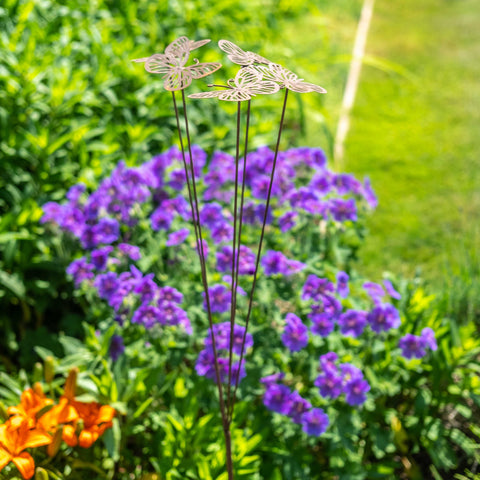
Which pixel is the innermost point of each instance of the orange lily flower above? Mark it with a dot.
(14, 440)
(31, 402)
(96, 419)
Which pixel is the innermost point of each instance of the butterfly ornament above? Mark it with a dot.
(236, 55)
(172, 64)
(247, 84)
(287, 79)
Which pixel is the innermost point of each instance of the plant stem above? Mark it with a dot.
(242, 199)
(199, 242)
(260, 243)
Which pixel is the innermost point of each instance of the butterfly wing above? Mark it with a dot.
(139, 60)
(177, 79)
(201, 70)
(249, 80)
(247, 76)
(211, 94)
(158, 63)
(179, 50)
(235, 53)
(198, 44)
(304, 87)
(235, 95)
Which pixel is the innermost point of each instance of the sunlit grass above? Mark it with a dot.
(417, 137)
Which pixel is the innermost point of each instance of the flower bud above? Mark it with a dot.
(49, 369)
(37, 372)
(3, 411)
(41, 474)
(53, 447)
(71, 383)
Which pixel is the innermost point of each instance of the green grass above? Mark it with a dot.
(417, 137)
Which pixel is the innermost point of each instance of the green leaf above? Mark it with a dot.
(12, 283)
(112, 438)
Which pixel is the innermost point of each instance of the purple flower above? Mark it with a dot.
(107, 230)
(171, 314)
(321, 183)
(342, 284)
(107, 285)
(375, 291)
(352, 322)
(322, 323)
(346, 183)
(131, 251)
(391, 291)
(205, 364)
(52, 211)
(178, 237)
(276, 263)
(298, 406)
(330, 383)
(80, 270)
(271, 379)
(369, 194)
(328, 305)
(383, 317)
(147, 315)
(222, 338)
(315, 288)
(211, 214)
(222, 232)
(246, 264)
(75, 192)
(428, 337)
(294, 266)
(100, 257)
(355, 391)
(146, 288)
(315, 422)
(328, 360)
(116, 347)
(412, 346)
(277, 398)
(295, 335)
(169, 294)
(342, 210)
(161, 219)
(287, 221)
(219, 297)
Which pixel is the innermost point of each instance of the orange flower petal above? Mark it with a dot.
(25, 464)
(86, 438)
(36, 438)
(106, 414)
(5, 458)
(69, 436)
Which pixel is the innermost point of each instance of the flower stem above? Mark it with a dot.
(260, 243)
(199, 242)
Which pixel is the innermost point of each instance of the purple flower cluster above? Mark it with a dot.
(326, 309)
(414, 346)
(280, 399)
(348, 379)
(205, 365)
(295, 335)
(276, 263)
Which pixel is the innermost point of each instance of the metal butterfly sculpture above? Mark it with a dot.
(171, 64)
(239, 56)
(287, 79)
(247, 84)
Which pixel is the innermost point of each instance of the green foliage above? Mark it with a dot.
(72, 104)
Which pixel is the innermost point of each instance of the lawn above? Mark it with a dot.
(416, 136)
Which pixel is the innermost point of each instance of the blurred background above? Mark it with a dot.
(72, 104)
